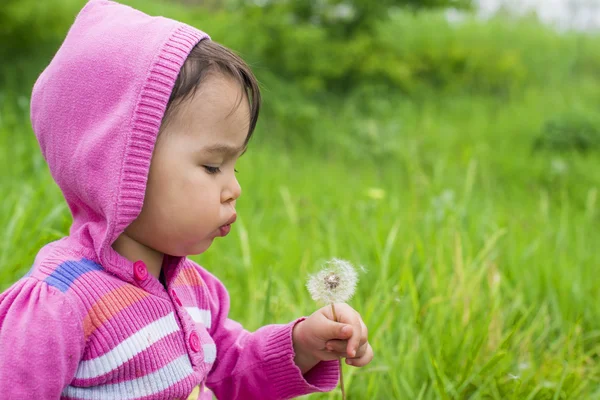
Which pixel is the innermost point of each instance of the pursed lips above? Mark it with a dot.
(232, 219)
(226, 228)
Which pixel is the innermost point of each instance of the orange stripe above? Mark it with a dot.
(109, 305)
(189, 277)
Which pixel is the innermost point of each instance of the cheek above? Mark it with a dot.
(161, 198)
(174, 182)
(179, 194)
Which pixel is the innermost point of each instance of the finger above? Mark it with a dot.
(354, 341)
(340, 346)
(361, 351)
(348, 315)
(339, 350)
(364, 334)
(344, 313)
(362, 361)
(330, 330)
(337, 346)
(329, 356)
(338, 355)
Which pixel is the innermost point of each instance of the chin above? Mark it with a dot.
(199, 249)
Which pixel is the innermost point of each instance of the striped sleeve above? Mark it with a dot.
(41, 341)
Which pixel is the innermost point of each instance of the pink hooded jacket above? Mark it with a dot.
(86, 323)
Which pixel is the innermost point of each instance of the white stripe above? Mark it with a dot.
(128, 348)
(200, 316)
(210, 352)
(147, 385)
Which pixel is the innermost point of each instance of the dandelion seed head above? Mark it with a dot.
(332, 281)
(335, 283)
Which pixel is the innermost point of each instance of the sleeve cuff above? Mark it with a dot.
(285, 377)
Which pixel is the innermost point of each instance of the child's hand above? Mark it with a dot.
(320, 338)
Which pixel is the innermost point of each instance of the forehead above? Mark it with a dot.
(218, 100)
(216, 115)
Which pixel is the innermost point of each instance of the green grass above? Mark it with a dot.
(481, 257)
(481, 254)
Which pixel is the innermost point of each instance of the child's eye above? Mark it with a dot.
(236, 171)
(211, 170)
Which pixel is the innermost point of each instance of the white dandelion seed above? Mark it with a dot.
(335, 283)
(514, 377)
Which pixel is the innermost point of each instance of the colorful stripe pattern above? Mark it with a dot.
(68, 272)
(154, 383)
(110, 305)
(136, 347)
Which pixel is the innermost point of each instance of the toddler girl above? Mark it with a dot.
(141, 120)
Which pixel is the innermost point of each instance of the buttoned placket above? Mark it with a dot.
(190, 333)
(189, 327)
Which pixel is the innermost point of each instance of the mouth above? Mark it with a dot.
(226, 228)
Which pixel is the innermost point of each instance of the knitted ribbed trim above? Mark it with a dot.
(146, 122)
(288, 382)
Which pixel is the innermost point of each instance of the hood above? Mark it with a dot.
(96, 111)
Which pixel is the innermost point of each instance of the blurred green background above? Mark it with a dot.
(455, 157)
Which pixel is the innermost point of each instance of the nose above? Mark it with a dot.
(232, 191)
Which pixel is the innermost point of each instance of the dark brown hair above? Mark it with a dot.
(210, 57)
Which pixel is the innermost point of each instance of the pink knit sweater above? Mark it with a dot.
(85, 323)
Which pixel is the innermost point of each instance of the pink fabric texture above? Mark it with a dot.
(85, 323)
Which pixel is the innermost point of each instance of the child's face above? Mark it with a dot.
(192, 187)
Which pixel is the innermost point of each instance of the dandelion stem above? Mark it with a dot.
(333, 311)
(339, 359)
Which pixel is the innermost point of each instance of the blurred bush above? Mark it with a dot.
(28, 25)
(337, 46)
(572, 131)
(416, 52)
(309, 55)
(30, 33)
(344, 18)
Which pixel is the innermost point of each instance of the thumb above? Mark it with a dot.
(335, 330)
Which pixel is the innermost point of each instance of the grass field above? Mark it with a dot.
(481, 252)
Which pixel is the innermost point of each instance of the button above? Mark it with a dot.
(195, 342)
(140, 272)
(176, 298)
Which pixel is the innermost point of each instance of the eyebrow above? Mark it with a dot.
(224, 149)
